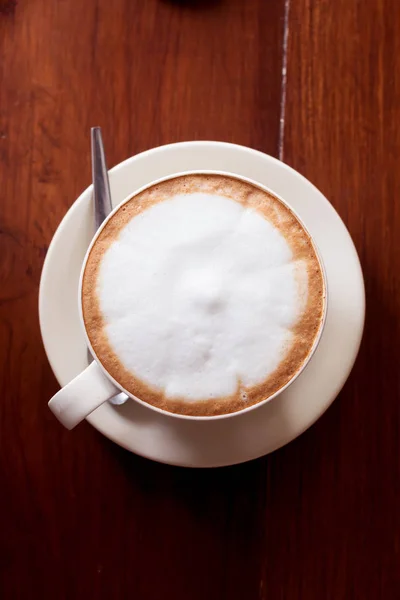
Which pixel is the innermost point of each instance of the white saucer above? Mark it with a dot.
(268, 427)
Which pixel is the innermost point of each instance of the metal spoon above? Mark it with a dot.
(102, 206)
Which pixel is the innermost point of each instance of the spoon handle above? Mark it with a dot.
(101, 184)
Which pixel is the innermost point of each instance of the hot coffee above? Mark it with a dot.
(203, 295)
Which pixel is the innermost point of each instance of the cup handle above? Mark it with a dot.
(82, 395)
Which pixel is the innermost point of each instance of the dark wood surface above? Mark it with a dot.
(82, 518)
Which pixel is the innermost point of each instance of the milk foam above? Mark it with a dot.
(199, 294)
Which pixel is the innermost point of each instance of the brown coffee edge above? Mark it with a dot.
(305, 331)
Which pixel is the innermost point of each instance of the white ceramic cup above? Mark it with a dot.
(94, 386)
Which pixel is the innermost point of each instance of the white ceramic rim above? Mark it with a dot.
(160, 438)
(248, 408)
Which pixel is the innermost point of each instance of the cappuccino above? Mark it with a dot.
(203, 295)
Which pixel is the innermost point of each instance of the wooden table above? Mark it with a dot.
(313, 82)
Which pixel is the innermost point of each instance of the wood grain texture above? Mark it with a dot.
(81, 518)
(342, 526)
